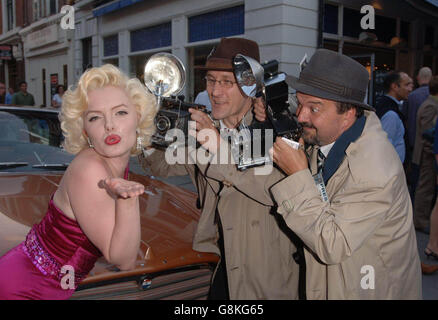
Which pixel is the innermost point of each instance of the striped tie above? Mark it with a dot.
(320, 162)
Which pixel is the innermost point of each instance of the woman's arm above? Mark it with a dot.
(107, 209)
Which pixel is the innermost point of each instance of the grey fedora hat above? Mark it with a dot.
(334, 76)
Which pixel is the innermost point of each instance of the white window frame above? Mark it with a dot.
(41, 9)
(35, 10)
(5, 16)
(56, 7)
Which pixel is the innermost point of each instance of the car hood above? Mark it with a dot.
(168, 222)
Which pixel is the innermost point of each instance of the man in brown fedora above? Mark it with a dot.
(256, 256)
(345, 195)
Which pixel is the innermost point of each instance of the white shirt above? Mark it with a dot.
(326, 149)
(57, 99)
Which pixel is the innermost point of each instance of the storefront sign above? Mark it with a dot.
(42, 37)
(5, 52)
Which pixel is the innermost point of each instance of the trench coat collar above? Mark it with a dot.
(337, 153)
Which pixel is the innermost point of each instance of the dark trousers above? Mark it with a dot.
(425, 190)
(219, 286)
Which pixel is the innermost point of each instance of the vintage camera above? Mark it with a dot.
(250, 148)
(173, 114)
(164, 76)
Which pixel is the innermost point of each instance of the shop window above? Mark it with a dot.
(151, 37)
(43, 78)
(428, 61)
(87, 54)
(137, 63)
(11, 15)
(53, 7)
(330, 19)
(111, 45)
(428, 36)
(404, 30)
(351, 27)
(65, 73)
(217, 24)
(114, 62)
(198, 56)
(386, 28)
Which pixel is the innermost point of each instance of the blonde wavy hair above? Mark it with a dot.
(75, 103)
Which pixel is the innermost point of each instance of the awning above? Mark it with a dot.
(113, 6)
(433, 2)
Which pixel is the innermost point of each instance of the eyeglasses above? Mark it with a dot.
(227, 84)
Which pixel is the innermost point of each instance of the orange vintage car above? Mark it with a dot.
(31, 166)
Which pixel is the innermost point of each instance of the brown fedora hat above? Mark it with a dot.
(221, 57)
(333, 76)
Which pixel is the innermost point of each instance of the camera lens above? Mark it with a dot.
(162, 123)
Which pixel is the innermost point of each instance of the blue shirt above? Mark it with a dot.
(8, 98)
(203, 99)
(395, 130)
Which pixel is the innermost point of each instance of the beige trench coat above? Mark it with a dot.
(360, 244)
(258, 254)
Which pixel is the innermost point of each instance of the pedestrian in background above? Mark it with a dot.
(203, 99)
(2, 93)
(415, 99)
(397, 86)
(424, 158)
(57, 97)
(9, 95)
(22, 97)
(431, 250)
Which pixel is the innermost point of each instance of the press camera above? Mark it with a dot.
(256, 80)
(164, 76)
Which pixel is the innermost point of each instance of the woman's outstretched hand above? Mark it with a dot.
(121, 188)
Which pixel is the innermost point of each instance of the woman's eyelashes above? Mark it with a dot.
(93, 118)
(119, 113)
(122, 112)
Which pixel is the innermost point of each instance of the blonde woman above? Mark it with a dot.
(95, 210)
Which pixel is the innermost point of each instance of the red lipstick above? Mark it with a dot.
(112, 139)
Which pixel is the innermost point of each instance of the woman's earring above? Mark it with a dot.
(139, 141)
(89, 143)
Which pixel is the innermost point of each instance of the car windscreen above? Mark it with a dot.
(30, 141)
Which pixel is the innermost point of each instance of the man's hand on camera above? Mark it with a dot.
(259, 110)
(205, 132)
(290, 160)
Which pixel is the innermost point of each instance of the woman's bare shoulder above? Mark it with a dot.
(87, 166)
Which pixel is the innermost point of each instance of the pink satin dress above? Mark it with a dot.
(34, 269)
(55, 251)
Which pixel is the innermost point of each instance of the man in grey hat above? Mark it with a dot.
(345, 195)
(357, 225)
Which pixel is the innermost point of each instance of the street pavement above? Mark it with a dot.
(430, 282)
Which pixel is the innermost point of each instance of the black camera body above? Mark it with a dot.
(173, 114)
(281, 118)
(252, 147)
